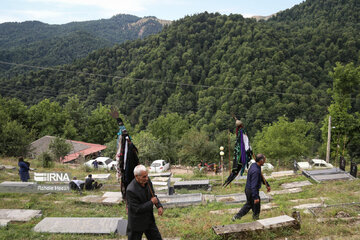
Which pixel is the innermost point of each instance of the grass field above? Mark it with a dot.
(191, 222)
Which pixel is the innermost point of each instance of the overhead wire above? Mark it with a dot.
(153, 80)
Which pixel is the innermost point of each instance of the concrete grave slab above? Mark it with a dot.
(180, 200)
(282, 174)
(308, 173)
(276, 221)
(112, 195)
(264, 207)
(19, 215)
(285, 191)
(296, 184)
(195, 184)
(107, 198)
(309, 200)
(330, 177)
(9, 186)
(105, 176)
(4, 222)
(236, 230)
(239, 198)
(17, 184)
(92, 199)
(308, 205)
(84, 225)
(8, 167)
(164, 174)
(160, 179)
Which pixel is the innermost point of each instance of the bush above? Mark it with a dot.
(46, 159)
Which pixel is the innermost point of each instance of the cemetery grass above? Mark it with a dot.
(186, 223)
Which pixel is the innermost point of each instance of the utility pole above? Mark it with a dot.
(328, 141)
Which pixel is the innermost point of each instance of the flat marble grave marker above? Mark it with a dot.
(239, 198)
(107, 198)
(327, 174)
(84, 225)
(285, 191)
(268, 223)
(296, 184)
(105, 176)
(282, 174)
(21, 215)
(18, 215)
(195, 184)
(180, 200)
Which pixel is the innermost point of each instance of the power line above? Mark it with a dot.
(153, 81)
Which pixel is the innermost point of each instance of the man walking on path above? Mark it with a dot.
(141, 198)
(253, 184)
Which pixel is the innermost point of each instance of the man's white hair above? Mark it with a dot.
(138, 169)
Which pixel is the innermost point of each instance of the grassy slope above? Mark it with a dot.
(187, 223)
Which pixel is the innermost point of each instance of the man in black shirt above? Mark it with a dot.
(90, 183)
(253, 184)
(141, 198)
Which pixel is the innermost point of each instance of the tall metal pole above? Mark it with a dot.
(328, 141)
(229, 154)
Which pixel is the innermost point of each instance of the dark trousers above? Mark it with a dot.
(249, 205)
(152, 233)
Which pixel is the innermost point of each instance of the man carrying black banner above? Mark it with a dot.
(253, 184)
(141, 198)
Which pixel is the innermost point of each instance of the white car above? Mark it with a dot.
(266, 166)
(103, 163)
(159, 166)
(314, 163)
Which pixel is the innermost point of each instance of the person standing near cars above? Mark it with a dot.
(253, 184)
(140, 198)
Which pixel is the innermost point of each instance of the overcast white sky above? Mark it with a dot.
(64, 11)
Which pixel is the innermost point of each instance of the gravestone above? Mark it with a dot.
(238, 231)
(342, 163)
(239, 198)
(308, 173)
(195, 184)
(83, 225)
(164, 174)
(353, 169)
(181, 200)
(282, 174)
(296, 184)
(101, 176)
(4, 222)
(8, 186)
(285, 191)
(19, 215)
(328, 177)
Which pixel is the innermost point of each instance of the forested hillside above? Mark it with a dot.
(208, 66)
(40, 44)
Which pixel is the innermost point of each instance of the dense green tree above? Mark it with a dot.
(283, 141)
(59, 148)
(196, 146)
(100, 128)
(15, 139)
(345, 122)
(46, 118)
